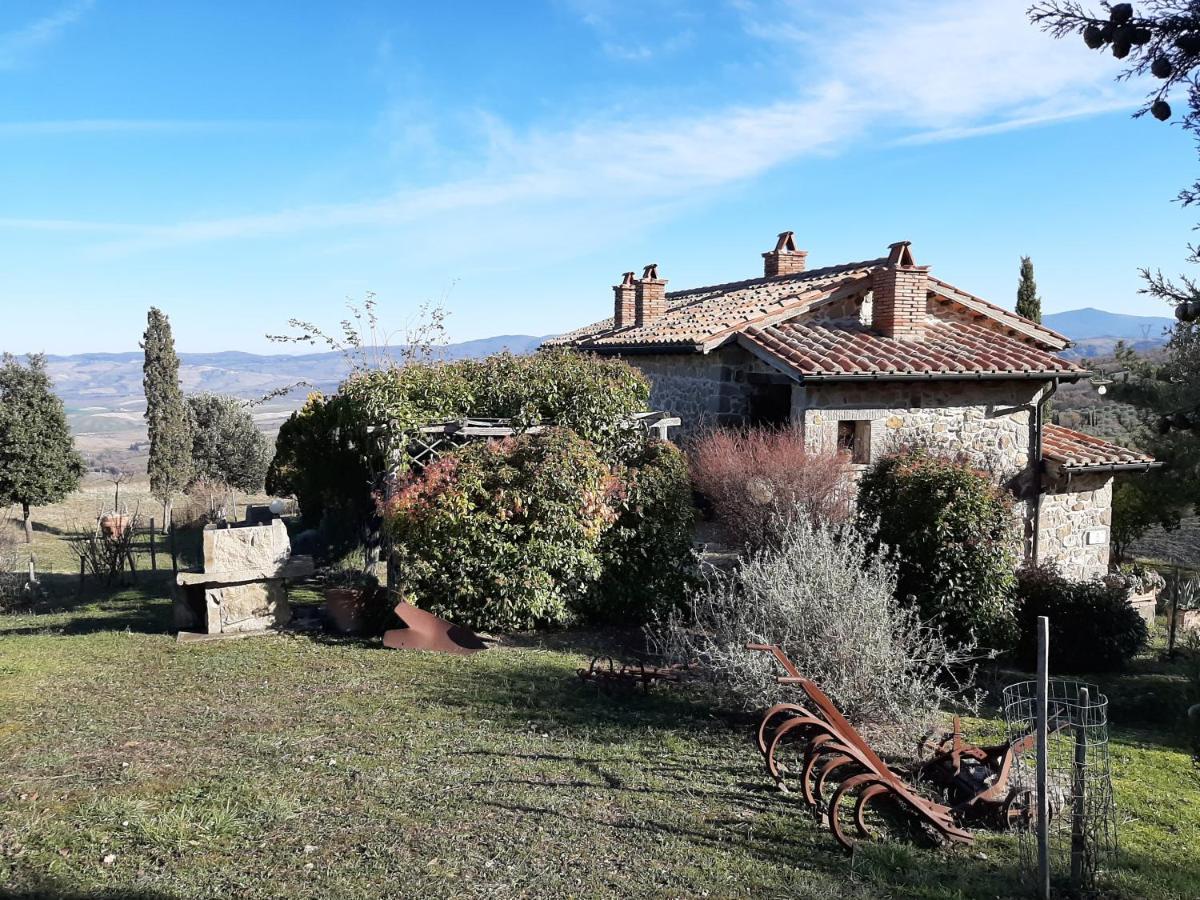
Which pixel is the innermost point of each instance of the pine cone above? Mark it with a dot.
(1188, 43)
(1121, 13)
(1161, 68)
(1092, 37)
(1161, 110)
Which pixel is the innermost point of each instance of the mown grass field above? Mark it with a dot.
(298, 766)
(309, 766)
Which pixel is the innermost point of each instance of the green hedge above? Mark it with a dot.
(1093, 626)
(330, 453)
(950, 529)
(538, 530)
(646, 556)
(504, 535)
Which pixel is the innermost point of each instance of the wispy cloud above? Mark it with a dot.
(636, 32)
(922, 71)
(17, 45)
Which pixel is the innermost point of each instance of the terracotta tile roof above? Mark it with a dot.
(967, 336)
(847, 348)
(700, 315)
(1010, 319)
(1076, 450)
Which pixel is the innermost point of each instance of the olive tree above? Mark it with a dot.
(227, 447)
(38, 460)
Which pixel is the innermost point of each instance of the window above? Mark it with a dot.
(770, 404)
(854, 438)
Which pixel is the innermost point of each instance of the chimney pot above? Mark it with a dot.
(650, 298)
(899, 288)
(785, 259)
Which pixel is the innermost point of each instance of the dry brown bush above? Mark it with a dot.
(757, 478)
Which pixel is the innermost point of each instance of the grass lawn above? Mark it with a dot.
(307, 766)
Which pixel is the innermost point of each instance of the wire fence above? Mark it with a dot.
(1082, 821)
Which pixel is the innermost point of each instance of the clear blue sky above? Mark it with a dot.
(241, 163)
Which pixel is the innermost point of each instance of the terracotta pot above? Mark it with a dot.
(114, 525)
(346, 608)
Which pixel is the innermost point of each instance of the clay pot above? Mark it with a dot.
(346, 608)
(114, 525)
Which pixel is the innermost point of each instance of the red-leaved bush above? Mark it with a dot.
(754, 479)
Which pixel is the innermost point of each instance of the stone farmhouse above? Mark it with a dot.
(867, 356)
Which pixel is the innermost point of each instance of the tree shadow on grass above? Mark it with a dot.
(143, 608)
(796, 842)
(44, 528)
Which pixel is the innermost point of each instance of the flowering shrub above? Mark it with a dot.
(756, 478)
(950, 530)
(829, 600)
(504, 535)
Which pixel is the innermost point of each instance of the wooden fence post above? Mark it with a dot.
(153, 554)
(174, 551)
(1171, 613)
(1043, 757)
(81, 575)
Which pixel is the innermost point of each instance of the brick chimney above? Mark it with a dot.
(625, 301)
(651, 296)
(785, 259)
(899, 288)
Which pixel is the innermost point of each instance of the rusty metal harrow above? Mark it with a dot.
(607, 674)
(859, 796)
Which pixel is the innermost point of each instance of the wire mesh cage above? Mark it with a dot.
(1082, 821)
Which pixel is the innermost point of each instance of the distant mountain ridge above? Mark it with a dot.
(114, 380)
(1095, 332)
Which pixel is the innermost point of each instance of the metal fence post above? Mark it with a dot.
(1078, 790)
(1043, 757)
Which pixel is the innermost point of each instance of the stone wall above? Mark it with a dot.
(1074, 513)
(987, 421)
(705, 388)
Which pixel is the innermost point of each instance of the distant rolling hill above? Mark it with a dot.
(114, 380)
(104, 399)
(1096, 331)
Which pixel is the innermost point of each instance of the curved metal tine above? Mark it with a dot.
(865, 796)
(817, 747)
(835, 802)
(824, 706)
(828, 767)
(774, 712)
(783, 731)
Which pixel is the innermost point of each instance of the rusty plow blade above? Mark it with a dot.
(848, 786)
(607, 674)
(424, 631)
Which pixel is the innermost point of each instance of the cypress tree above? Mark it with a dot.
(1029, 304)
(38, 460)
(167, 421)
